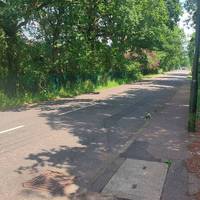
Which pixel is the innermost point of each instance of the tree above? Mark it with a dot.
(174, 12)
(50, 45)
(174, 51)
(13, 16)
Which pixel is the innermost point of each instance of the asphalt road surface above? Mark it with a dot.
(76, 137)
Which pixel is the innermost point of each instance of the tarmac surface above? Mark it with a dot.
(80, 138)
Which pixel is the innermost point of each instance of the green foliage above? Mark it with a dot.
(3, 70)
(152, 19)
(174, 54)
(168, 162)
(174, 12)
(63, 48)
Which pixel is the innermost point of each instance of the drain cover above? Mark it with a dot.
(51, 181)
(138, 180)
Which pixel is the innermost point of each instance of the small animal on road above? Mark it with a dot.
(147, 116)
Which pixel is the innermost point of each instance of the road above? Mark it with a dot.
(77, 137)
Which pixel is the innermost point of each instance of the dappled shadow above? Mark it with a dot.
(102, 129)
(47, 105)
(51, 181)
(139, 150)
(54, 157)
(170, 135)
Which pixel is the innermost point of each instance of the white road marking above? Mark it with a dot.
(71, 111)
(11, 129)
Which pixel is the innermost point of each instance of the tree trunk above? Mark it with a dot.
(12, 66)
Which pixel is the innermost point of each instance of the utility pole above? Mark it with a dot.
(195, 71)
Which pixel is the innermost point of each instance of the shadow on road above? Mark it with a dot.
(102, 129)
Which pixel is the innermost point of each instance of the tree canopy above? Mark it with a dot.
(46, 45)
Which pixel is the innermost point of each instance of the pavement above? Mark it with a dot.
(86, 139)
(165, 140)
(137, 179)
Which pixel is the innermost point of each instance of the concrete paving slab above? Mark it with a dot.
(138, 180)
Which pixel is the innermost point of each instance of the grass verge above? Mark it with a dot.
(87, 87)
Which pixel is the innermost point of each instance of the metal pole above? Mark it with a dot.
(194, 84)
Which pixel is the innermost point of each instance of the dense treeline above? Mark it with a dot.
(48, 47)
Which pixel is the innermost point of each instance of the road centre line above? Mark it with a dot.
(11, 129)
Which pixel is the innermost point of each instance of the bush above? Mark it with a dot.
(133, 72)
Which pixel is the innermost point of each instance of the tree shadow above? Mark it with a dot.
(102, 130)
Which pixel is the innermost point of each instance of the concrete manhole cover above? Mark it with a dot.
(51, 181)
(138, 180)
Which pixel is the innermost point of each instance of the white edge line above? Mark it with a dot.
(71, 111)
(12, 129)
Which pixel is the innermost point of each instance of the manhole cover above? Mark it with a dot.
(138, 179)
(50, 181)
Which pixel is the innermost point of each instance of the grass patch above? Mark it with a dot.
(9, 103)
(109, 84)
(168, 162)
(113, 84)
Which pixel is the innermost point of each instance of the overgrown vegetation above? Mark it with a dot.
(63, 48)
